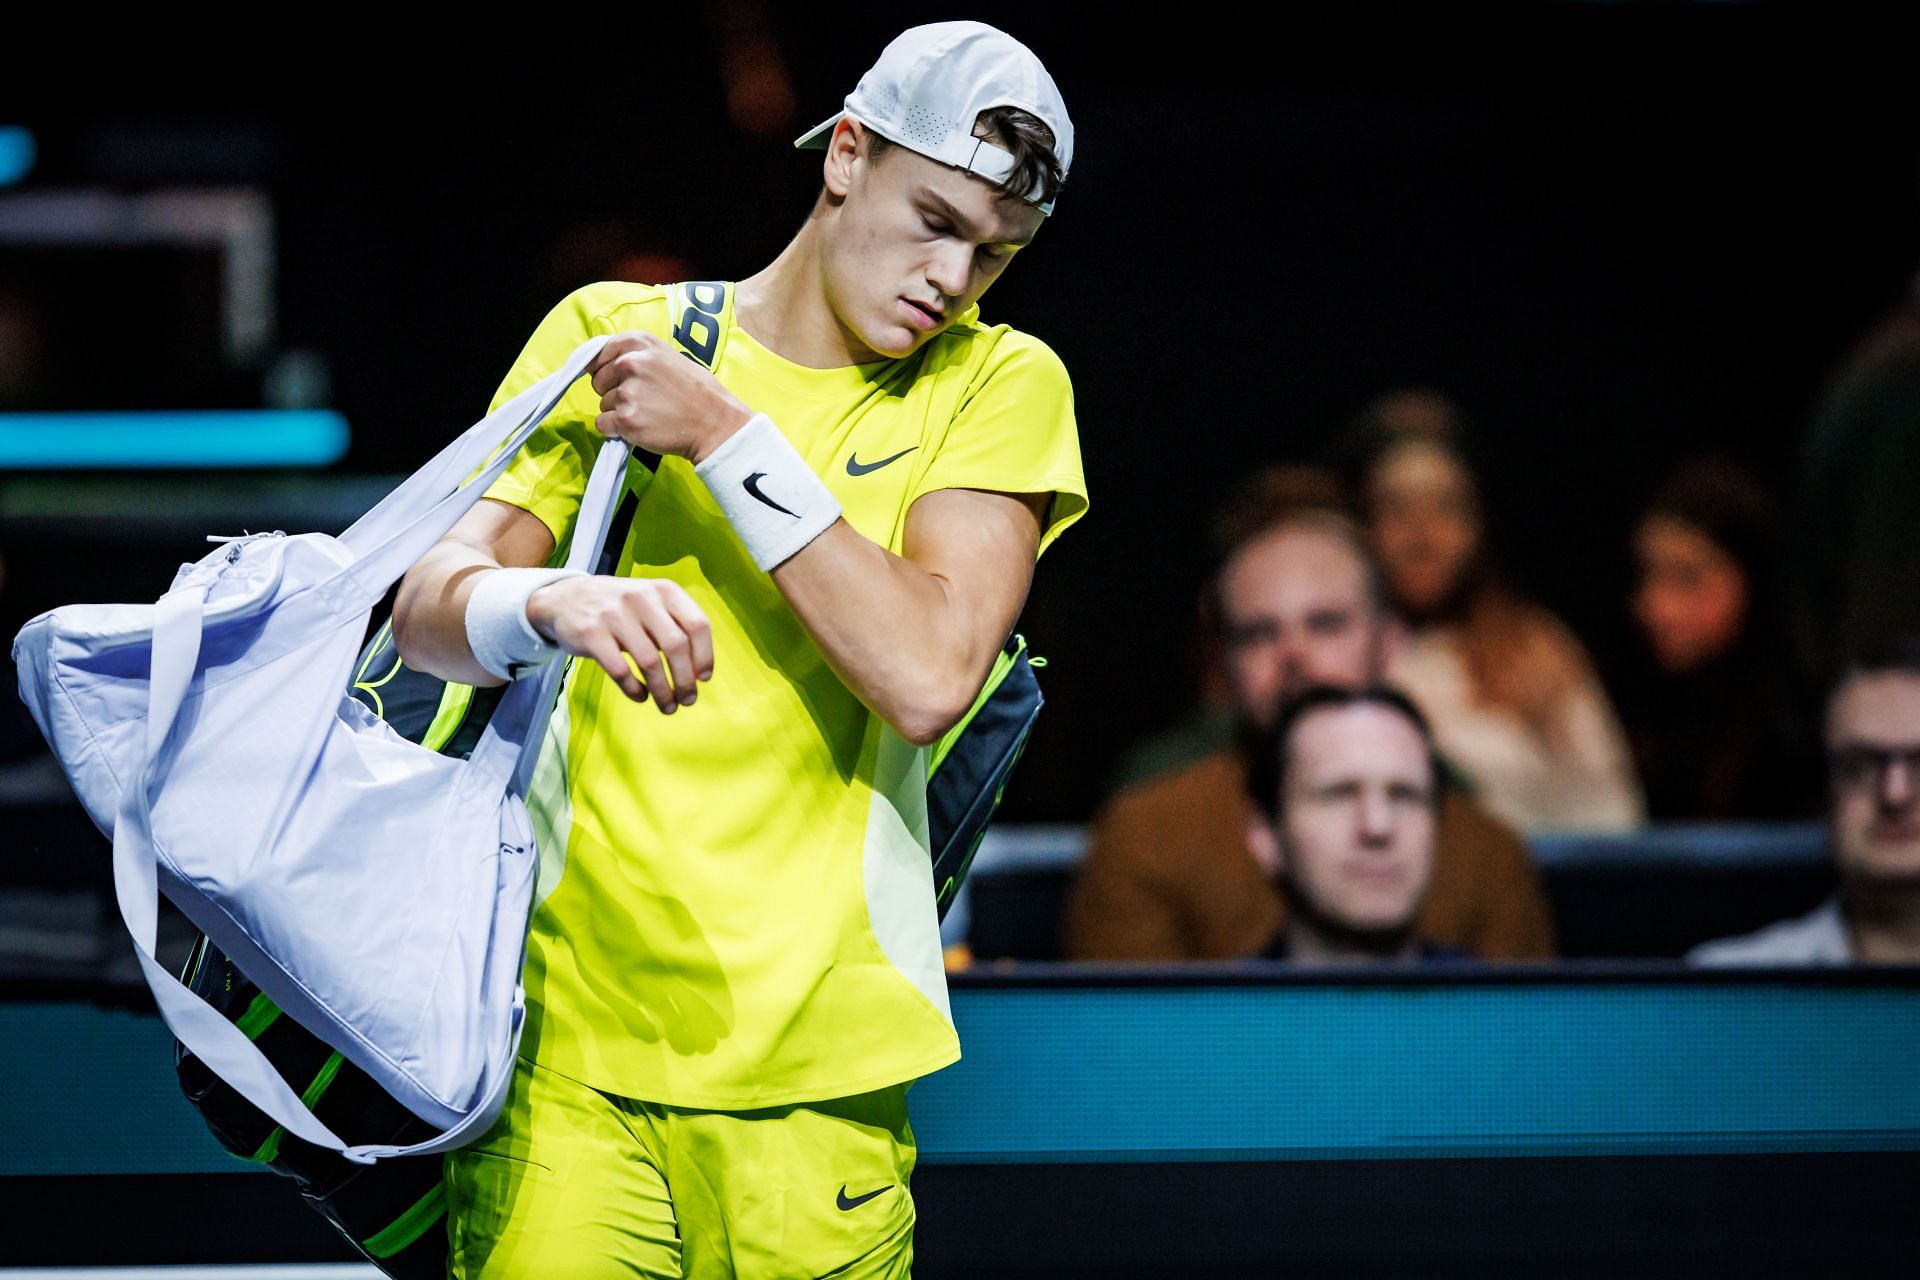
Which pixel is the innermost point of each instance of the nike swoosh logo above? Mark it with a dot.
(751, 484)
(857, 468)
(854, 1202)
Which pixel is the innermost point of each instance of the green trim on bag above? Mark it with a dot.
(409, 1226)
(446, 721)
(270, 1149)
(1001, 665)
(259, 1016)
(373, 651)
(190, 975)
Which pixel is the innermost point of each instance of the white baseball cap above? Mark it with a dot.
(933, 81)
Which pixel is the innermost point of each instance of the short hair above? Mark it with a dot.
(1268, 496)
(1022, 135)
(1270, 752)
(1899, 655)
(1329, 521)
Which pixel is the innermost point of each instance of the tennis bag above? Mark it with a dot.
(374, 890)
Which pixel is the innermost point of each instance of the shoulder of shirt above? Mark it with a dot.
(992, 348)
(615, 304)
(1815, 938)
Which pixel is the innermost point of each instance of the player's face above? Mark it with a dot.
(915, 243)
(1296, 612)
(1873, 750)
(1357, 820)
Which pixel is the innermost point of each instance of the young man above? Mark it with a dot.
(738, 975)
(1350, 784)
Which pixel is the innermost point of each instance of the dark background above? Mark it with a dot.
(1618, 235)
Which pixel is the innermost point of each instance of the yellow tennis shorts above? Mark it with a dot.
(575, 1183)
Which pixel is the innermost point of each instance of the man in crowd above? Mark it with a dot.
(1873, 808)
(1180, 866)
(1350, 785)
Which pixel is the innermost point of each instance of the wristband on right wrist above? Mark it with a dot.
(498, 629)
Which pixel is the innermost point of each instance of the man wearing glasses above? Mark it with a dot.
(1873, 756)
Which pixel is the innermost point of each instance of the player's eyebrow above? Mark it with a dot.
(960, 220)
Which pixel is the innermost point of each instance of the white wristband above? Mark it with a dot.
(503, 639)
(771, 496)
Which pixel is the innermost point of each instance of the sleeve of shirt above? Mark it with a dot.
(1015, 433)
(550, 473)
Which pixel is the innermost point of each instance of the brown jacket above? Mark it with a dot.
(1168, 876)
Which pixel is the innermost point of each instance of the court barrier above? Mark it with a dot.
(1648, 894)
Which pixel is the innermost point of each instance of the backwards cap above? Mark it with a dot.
(933, 81)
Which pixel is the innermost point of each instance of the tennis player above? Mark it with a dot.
(738, 975)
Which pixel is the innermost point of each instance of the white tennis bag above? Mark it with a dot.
(375, 890)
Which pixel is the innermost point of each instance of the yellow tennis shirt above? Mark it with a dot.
(736, 903)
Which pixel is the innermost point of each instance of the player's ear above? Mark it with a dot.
(843, 149)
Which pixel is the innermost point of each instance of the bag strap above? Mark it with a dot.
(699, 320)
(702, 312)
(700, 317)
(389, 539)
(509, 747)
(385, 540)
(203, 1029)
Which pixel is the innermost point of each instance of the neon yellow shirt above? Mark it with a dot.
(746, 915)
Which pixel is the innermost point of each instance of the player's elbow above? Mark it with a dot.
(927, 717)
(923, 732)
(405, 615)
(414, 625)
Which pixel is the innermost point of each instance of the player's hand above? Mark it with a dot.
(654, 619)
(654, 397)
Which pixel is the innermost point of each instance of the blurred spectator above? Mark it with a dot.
(1179, 866)
(1264, 498)
(1349, 785)
(1717, 730)
(760, 97)
(609, 249)
(1509, 691)
(1857, 527)
(1873, 780)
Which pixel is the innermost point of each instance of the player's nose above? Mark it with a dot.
(951, 269)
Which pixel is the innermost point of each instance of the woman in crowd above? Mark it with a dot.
(1511, 694)
(1718, 729)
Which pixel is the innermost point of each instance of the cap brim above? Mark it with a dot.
(816, 138)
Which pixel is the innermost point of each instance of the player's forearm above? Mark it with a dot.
(429, 613)
(888, 628)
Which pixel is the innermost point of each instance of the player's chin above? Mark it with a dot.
(895, 340)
